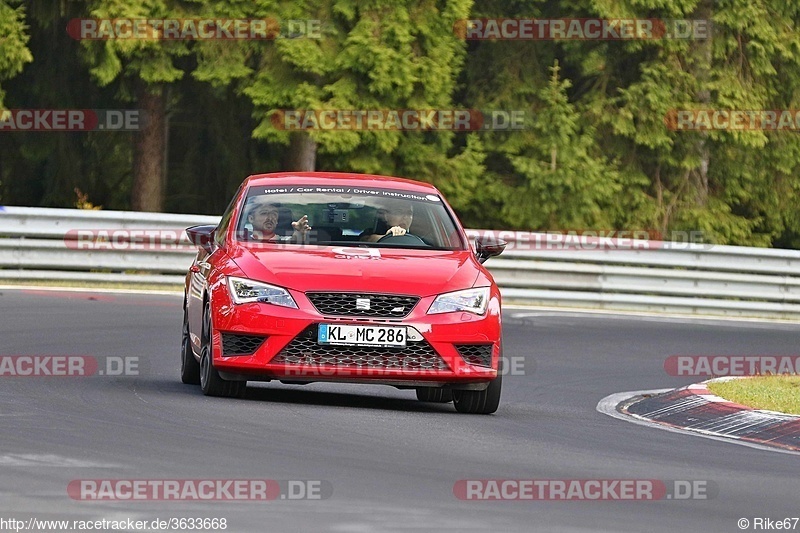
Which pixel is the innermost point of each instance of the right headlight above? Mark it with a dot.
(247, 291)
(469, 300)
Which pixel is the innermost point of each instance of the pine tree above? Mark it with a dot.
(147, 67)
(384, 55)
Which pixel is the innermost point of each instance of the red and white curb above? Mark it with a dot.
(696, 410)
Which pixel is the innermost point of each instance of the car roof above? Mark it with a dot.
(342, 178)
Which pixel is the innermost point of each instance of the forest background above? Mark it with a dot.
(596, 151)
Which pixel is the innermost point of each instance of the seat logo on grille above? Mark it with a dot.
(362, 304)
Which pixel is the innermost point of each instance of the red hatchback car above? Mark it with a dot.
(336, 277)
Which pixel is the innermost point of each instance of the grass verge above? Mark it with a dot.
(773, 393)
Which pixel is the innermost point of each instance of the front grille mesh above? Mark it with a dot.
(233, 344)
(476, 354)
(380, 305)
(304, 350)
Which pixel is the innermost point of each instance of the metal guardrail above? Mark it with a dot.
(40, 244)
(44, 244)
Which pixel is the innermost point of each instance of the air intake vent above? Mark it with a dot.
(476, 354)
(233, 344)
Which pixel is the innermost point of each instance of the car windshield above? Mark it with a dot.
(345, 215)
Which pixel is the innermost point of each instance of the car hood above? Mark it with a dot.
(324, 268)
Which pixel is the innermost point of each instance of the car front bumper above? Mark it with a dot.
(289, 350)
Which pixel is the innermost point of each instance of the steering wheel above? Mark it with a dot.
(407, 239)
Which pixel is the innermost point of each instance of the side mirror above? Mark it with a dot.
(487, 246)
(202, 236)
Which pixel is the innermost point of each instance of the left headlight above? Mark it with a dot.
(247, 291)
(470, 300)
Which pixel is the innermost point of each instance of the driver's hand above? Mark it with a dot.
(396, 231)
(301, 226)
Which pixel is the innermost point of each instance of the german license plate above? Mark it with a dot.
(361, 335)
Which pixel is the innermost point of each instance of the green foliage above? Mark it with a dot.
(150, 60)
(599, 150)
(567, 181)
(14, 52)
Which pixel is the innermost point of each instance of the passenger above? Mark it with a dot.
(263, 216)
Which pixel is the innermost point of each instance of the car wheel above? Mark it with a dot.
(481, 402)
(434, 394)
(210, 381)
(190, 368)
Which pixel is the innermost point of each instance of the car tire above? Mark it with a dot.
(434, 394)
(483, 402)
(210, 381)
(190, 368)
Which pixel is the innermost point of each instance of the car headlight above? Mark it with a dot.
(470, 300)
(247, 291)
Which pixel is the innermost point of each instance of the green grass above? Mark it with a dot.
(774, 393)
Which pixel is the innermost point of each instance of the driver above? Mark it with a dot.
(263, 216)
(394, 218)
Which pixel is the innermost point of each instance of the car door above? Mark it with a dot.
(201, 270)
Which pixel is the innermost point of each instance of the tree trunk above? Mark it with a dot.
(302, 153)
(704, 11)
(149, 149)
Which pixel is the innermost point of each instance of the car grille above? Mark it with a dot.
(304, 350)
(233, 344)
(476, 354)
(347, 304)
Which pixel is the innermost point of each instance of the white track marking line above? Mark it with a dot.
(50, 460)
(646, 317)
(608, 406)
(89, 289)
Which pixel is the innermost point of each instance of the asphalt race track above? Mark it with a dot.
(391, 461)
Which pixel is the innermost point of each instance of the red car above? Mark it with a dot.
(322, 276)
